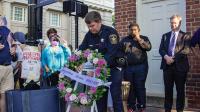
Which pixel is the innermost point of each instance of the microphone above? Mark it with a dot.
(40, 41)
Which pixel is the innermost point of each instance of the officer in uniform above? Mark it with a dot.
(105, 39)
(136, 47)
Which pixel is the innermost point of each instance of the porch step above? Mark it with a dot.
(154, 101)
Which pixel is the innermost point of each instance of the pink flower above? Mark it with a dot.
(61, 86)
(92, 90)
(81, 95)
(72, 58)
(105, 71)
(101, 62)
(97, 71)
(86, 53)
(67, 96)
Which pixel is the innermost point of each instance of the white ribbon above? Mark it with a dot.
(94, 107)
(84, 79)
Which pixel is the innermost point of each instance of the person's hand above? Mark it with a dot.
(39, 47)
(90, 73)
(47, 69)
(19, 64)
(137, 36)
(13, 51)
(1, 46)
(79, 68)
(169, 59)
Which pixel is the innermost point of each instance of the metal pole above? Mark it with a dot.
(38, 23)
(76, 31)
(34, 22)
(31, 19)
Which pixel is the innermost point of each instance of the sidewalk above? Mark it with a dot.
(148, 109)
(156, 105)
(159, 109)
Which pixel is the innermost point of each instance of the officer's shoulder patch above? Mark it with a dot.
(113, 39)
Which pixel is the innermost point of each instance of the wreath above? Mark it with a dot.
(89, 94)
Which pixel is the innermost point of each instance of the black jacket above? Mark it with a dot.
(136, 51)
(106, 42)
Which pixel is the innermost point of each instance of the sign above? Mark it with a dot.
(83, 79)
(45, 2)
(31, 63)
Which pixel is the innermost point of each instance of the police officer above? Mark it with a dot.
(135, 47)
(106, 40)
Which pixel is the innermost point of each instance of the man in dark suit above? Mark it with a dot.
(174, 48)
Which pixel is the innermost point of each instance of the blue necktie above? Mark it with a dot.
(171, 45)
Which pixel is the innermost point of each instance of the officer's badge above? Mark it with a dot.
(121, 61)
(113, 39)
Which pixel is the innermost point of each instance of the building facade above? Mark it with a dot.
(153, 18)
(16, 11)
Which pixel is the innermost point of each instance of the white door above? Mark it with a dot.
(153, 18)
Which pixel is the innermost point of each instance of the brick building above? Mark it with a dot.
(153, 18)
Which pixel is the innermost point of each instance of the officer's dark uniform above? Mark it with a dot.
(106, 41)
(137, 69)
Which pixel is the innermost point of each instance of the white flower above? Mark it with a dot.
(83, 100)
(61, 76)
(76, 100)
(72, 97)
(78, 53)
(90, 56)
(69, 90)
(76, 50)
(95, 60)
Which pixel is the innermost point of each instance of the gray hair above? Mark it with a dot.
(3, 21)
(175, 16)
(92, 16)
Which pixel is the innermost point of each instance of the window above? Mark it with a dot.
(55, 19)
(19, 13)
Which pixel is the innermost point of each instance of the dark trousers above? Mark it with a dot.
(102, 103)
(115, 89)
(171, 77)
(52, 80)
(18, 81)
(137, 75)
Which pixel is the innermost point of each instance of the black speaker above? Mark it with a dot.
(81, 9)
(68, 6)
